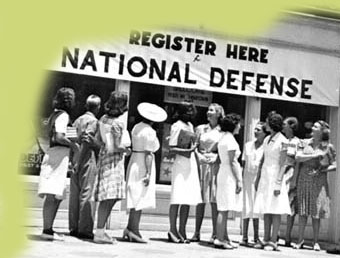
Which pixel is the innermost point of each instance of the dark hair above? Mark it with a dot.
(116, 105)
(64, 99)
(183, 109)
(275, 121)
(229, 122)
(325, 131)
(293, 123)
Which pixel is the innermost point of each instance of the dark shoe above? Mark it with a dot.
(288, 244)
(74, 233)
(196, 237)
(85, 236)
(49, 234)
(172, 238)
(335, 250)
(244, 242)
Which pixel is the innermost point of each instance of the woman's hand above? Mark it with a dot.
(194, 145)
(146, 179)
(277, 188)
(127, 151)
(277, 192)
(238, 187)
(210, 158)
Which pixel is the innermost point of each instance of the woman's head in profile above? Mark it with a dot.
(117, 104)
(290, 126)
(231, 123)
(215, 113)
(64, 99)
(274, 122)
(321, 131)
(186, 111)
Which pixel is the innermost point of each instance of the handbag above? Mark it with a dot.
(184, 141)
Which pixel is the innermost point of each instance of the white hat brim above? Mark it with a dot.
(152, 112)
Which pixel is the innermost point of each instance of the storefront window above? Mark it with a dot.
(169, 98)
(306, 114)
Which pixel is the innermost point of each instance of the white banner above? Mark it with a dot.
(211, 64)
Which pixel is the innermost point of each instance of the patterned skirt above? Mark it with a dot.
(313, 194)
(110, 183)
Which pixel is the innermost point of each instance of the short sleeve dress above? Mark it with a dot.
(208, 139)
(312, 185)
(291, 173)
(252, 157)
(144, 139)
(110, 183)
(265, 201)
(54, 165)
(185, 185)
(226, 197)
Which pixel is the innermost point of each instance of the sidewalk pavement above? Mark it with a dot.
(157, 246)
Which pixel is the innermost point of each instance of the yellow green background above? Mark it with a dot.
(31, 36)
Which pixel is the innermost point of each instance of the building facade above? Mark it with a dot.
(293, 68)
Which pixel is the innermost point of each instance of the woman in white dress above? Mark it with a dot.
(52, 183)
(208, 136)
(185, 186)
(141, 171)
(272, 195)
(251, 158)
(229, 179)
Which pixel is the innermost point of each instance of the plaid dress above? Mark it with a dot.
(111, 176)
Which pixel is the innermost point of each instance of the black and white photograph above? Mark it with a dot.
(181, 141)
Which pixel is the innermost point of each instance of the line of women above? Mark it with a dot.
(280, 175)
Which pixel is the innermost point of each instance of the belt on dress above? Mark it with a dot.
(141, 151)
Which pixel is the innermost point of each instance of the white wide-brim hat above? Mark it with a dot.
(152, 112)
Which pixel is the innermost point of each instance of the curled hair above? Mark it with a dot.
(325, 131)
(293, 123)
(219, 110)
(64, 99)
(275, 121)
(184, 107)
(117, 104)
(229, 122)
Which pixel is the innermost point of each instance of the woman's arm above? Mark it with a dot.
(235, 166)
(148, 165)
(62, 139)
(258, 175)
(330, 168)
(178, 150)
(283, 167)
(302, 157)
